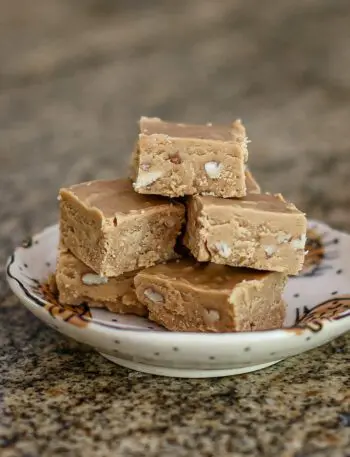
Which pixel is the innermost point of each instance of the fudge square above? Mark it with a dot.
(182, 159)
(260, 231)
(77, 283)
(113, 230)
(186, 295)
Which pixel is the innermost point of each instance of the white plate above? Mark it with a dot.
(318, 311)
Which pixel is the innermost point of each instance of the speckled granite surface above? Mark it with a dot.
(74, 77)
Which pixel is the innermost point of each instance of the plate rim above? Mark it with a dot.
(30, 300)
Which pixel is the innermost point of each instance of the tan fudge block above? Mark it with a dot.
(77, 283)
(181, 159)
(188, 296)
(113, 230)
(260, 231)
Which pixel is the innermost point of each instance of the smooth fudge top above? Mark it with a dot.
(112, 197)
(201, 274)
(260, 202)
(155, 126)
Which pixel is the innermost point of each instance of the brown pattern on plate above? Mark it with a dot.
(315, 252)
(333, 309)
(76, 315)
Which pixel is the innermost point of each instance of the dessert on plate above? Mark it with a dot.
(189, 240)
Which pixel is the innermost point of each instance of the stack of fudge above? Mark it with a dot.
(188, 241)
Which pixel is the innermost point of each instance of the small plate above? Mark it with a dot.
(318, 310)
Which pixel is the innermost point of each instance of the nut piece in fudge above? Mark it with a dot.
(181, 159)
(76, 283)
(185, 295)
(113, 230)
(260, 231)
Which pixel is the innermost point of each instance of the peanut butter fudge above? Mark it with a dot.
(77, 283)
(113, 230)
(182, 159)
(185, 295)
(260, 231)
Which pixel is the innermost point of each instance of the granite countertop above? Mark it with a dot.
(74, 78)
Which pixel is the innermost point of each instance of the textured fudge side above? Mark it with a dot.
(77, 283)
(113, 230)
(179, 159)
(188, 296)
(260, 231)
